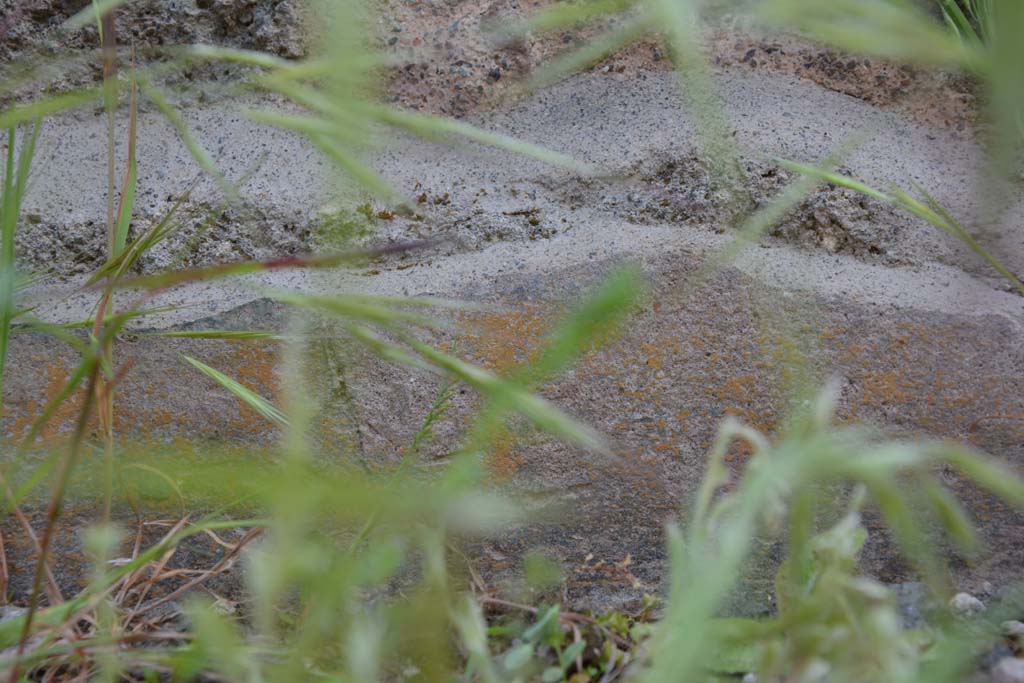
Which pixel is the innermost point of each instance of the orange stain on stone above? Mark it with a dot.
(254, 364)
(500, 341)
(503, 459)
(54, 376)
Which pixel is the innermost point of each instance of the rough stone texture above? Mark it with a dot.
(657, 393)
(65, 215)
(457, 59)
(921, 337)
(683, 190)
(940, 99)
(39, 56)
(33, 28)
(648, 162)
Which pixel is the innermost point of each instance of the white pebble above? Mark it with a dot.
(1008, 670)
(966, 605)
(1012, 629)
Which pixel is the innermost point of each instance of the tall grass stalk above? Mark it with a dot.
(115, 236)
(15, 183)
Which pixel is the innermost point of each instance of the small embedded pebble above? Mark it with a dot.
(1012, 629)
(1008, 670)
(749, 678)
(966, 605)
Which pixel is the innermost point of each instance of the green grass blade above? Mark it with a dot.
(227, 54)
(243, 393)
(198, 152)
(442, 402)
(54, 404)
(60, 332)
(987, 473)
(92, 13)
(959, 231)
(379, 310)
(564, 14)
(438, 127)
(958, 21)
(591, 324)
(835, 179)
(951, 515)
(326, 125)
(15, 184)
(216, 334)
(322, 135)
(116, 267)
(385, 349)
(127, 203)
(124, 216)
(590, 54)
(679, 23)
(48, 106)
(932, 212)
(891, 30)
(892, 502)
(8, 224)
(25, 157)
(541, 413)
(753, 229)
(209, 273)
(25, 281)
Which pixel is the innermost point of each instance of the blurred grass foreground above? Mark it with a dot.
(273, 548)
